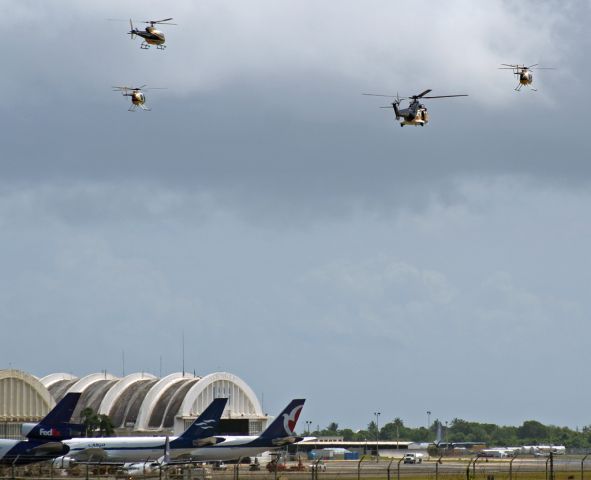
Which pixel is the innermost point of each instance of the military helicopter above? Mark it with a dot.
(138, 98)
(525, 75)
(151, 35)
(416, 113)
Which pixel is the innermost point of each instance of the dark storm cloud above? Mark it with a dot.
(278, 127)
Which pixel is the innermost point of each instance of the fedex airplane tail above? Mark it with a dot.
(56, 424)
(203, 428)
(284, 425)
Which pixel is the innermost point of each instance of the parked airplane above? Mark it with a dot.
(545, 450)
(44, 439)
(280, 433)
(144, 449)
(141, 469)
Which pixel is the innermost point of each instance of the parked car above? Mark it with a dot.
(413, 458)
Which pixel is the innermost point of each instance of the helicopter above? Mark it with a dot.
(525, 75)
(138, 98)
(416, 113)
(151, 35)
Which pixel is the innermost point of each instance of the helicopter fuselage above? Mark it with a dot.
(525, 77)
(151, 36)
(416, 114)
(137, 98)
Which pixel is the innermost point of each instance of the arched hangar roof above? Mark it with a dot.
(155, 402)
(139, 401)
(120, 388)
(22, 397)
(242, 401)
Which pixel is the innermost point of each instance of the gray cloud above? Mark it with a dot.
(283, 222)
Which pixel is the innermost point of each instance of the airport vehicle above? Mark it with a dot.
(279, 434)
(151, 35)
(137, 96)
(119, 450)
(497, 452)
(416, 113)
(318, 466)
(221, 466)
(524, 73)
(413, 458)
(44, 439)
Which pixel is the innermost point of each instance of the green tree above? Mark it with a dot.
(90, 421)
(333, 427)
(96, 424)
(531, 429)
(105, 426)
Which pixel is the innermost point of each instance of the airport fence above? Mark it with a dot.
(476, 468)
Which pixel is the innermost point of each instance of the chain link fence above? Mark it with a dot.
(564, 467)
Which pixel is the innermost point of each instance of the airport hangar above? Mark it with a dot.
(137, 404)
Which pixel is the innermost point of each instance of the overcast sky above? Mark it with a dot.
(296, 235)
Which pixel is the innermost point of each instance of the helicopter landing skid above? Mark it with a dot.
(145, 46)
(518, 88)
(160, 47)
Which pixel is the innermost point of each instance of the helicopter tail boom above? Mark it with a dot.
(396, 109)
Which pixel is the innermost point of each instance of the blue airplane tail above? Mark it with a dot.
(56, 424)
(284, 425)
(204, 427)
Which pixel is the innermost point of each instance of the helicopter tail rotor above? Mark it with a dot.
(132, 31)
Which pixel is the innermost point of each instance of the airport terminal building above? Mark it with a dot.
(139, 403)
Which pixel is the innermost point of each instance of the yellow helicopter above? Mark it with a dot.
(524, 73)
(151, 35)
(416, 113)
(137, 96)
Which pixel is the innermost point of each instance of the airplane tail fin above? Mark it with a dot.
(284, 425)
(55, 425)
(439, 436)
(205, 425)
(165, 459)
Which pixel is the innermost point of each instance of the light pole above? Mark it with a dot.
(377, 415)
(308, 425)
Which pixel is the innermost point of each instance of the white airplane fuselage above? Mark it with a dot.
(145, 449)
(121, 449)
(232, 448)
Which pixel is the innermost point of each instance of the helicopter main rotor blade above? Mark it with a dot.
(447, 96)
(163, 21)
(534, 65)
(378, 95)
(421, 95)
